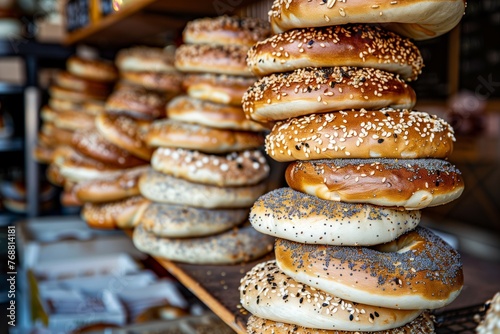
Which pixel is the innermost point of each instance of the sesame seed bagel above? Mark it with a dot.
(293, 215)
(423, 324)
(226, 30)
(92, 143)
(269, 293)
(215, 115)
(420, 20)
(361, 134)
(158, 81)
(418, 270)
(164, 188)
(62, 93)
(181, 221)
(97, 70)
(124, 132)
(212, 58)
(72, 82)
(123, 185)
(231, 247)
(218, 88)
(53, 136)
(317, 90)
(137, 102)
(67, 120)
(145, 59)
(358, 45)
(170, 133)
(53, 174)
(411, 184)
(230, 170)
(119, 214)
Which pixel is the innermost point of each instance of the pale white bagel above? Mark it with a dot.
(181, 221)
(358, 45)
(411, 184)
(164, 188)
(311, 90)
(418, 270)
(267, 292)
(234, 246)
(423, 324)
(230, 170)
(289, 214)
(418, 19)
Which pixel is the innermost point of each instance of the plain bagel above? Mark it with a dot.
(98, 70)
(227, 30)
(418, 270)
(182, 221)
(212, 58)
(361, 134)
(312, 90)
(231, 247)
(289, 214)
(411, 184)
(422, 19)
(171, 133)
(120, 214)
(230, 170)
(163, 188)
(423, 324)
(218, 88)
(137, 102)
(358, 45)
(221, 116)
(268, 293)
(163, 82)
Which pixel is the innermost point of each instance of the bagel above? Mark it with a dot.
(361, 134)
(418, 270)
(43, 153)
(145, 59)
(120, 214)
(318, 90)
(64, 105)
(218, 88)
(423, 324)
(230, 170)
(97, 70)
(269, 293)
(159, 81)
(226, 30)
(289, 214)
(220, 59)
(170, 133)
(164, 188)
(420, 20)
(137, 103)
(125, 132)
(53, 174)
(62, 93)
(181, 221)
(121, 186)
(72, 82)
(357, 45)
(190, 110)
(53, 136)
(231, 247)
(67, 120)
(92, 143)
(411, 184)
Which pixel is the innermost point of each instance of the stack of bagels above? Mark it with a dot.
(350, 256)
(77, 95)
(148, 80)
(207, 167)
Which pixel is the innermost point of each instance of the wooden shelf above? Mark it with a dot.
(140, 20)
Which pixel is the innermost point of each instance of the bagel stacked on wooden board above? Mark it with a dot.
(208, 167)
(77, 95)
(350, 256)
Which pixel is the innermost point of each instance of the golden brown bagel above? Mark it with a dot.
(159, 81)
(145, 59)
(120, 214)
(98, 70)
(418, 270)
(307, 91)
(137, 102)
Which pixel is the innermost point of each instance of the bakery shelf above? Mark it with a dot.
(7, 88)
(11, 144)
(138, 20)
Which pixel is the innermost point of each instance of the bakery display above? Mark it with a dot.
(350, 256)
